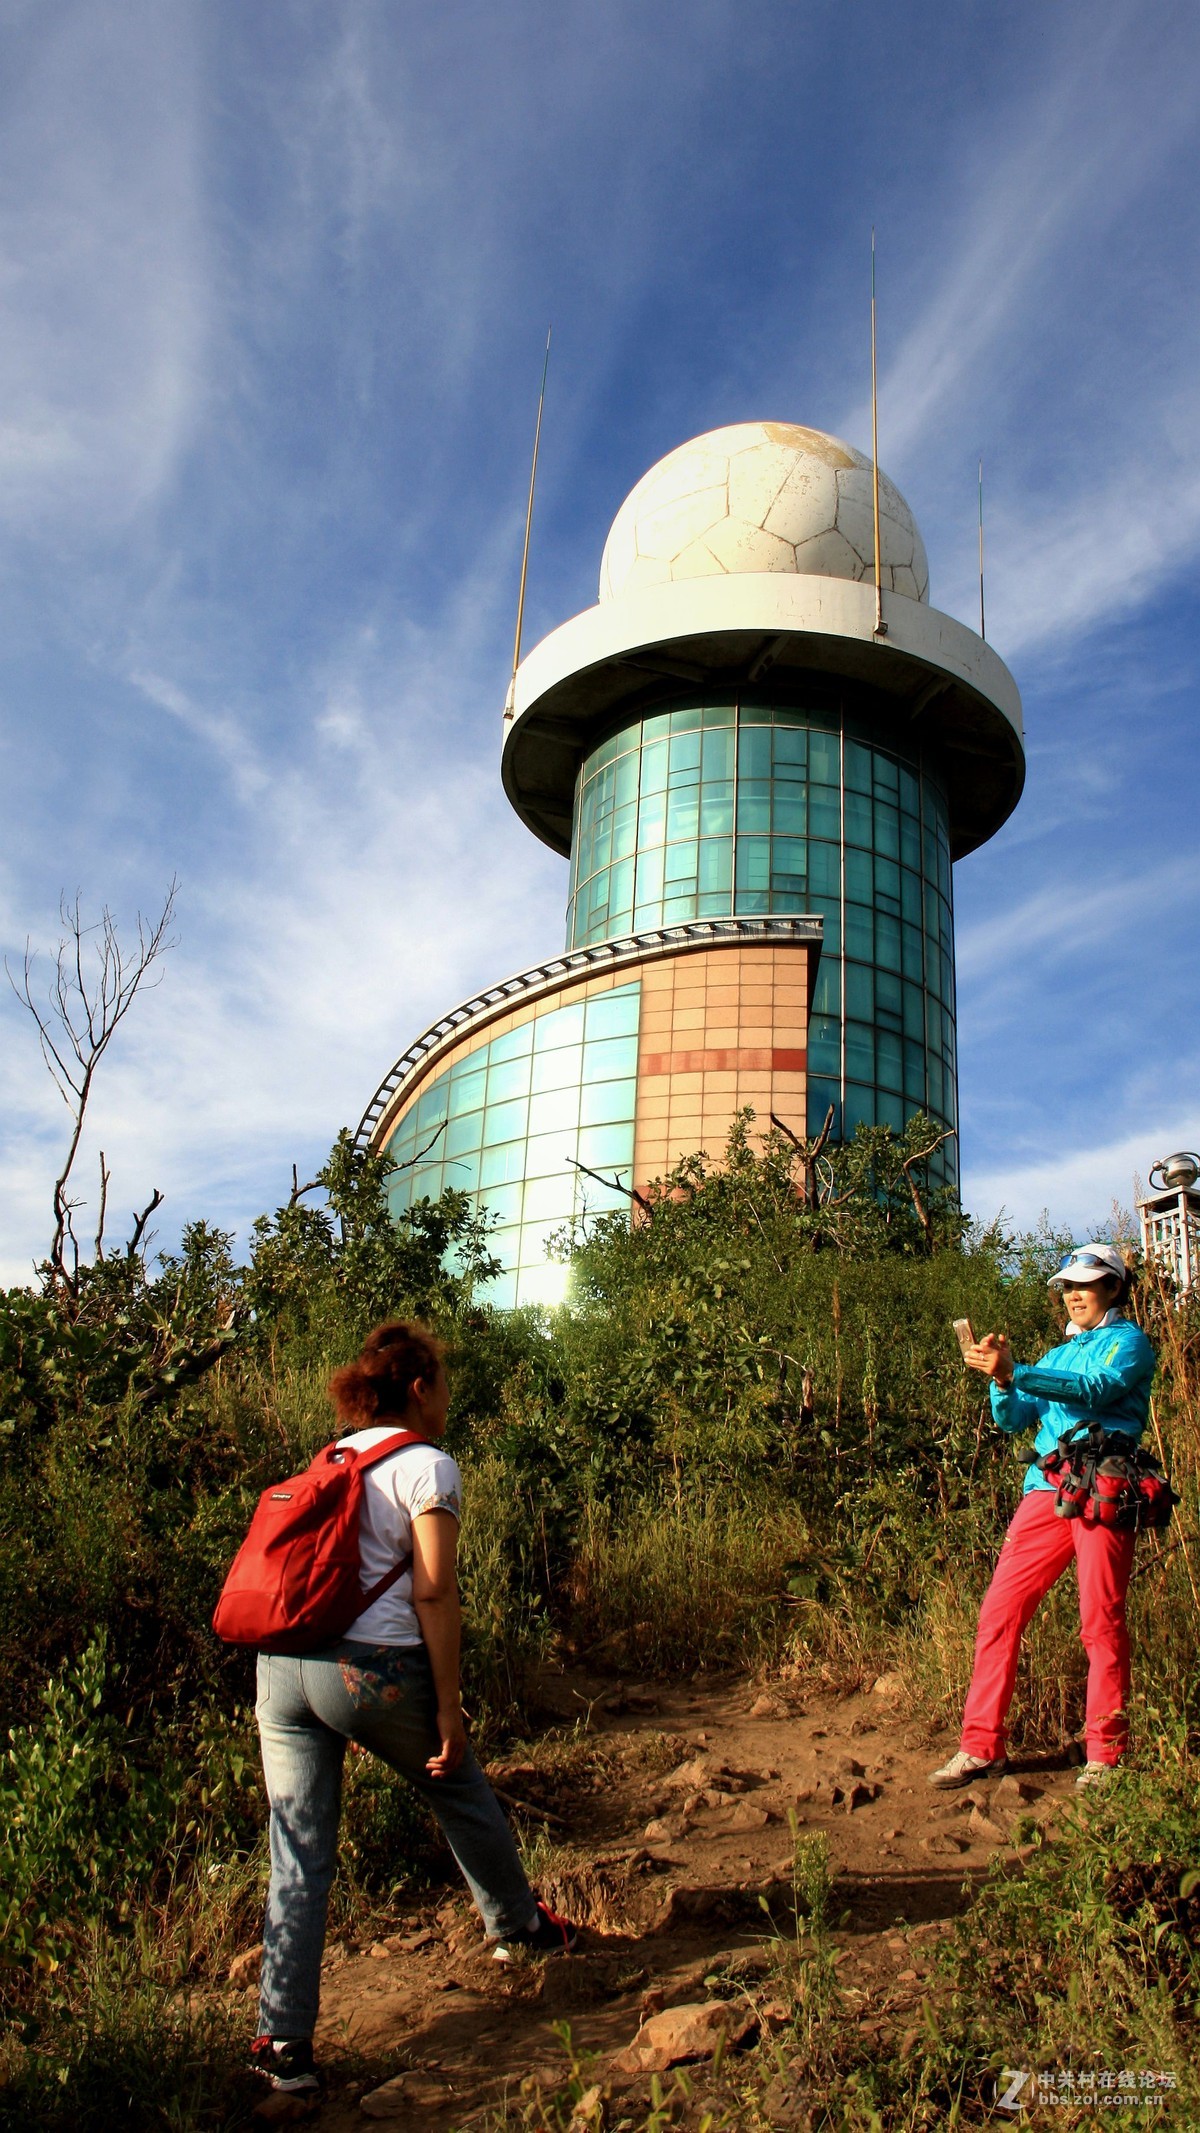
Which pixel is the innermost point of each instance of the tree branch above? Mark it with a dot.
(140, 1221)
(105, 1175)
(921, 1156)
(809, 1152)
(614, 1184)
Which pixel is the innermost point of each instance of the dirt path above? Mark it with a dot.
(671, 1820)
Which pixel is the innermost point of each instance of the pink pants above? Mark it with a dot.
(1037, 1548)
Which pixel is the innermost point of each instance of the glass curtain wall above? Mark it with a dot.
(506, 1122)
(710, 809)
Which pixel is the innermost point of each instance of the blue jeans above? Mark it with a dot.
(307, 1710)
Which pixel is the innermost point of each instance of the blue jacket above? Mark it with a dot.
(1101, 1375)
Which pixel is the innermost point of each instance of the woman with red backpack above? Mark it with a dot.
(390, 1683)
(1101, 1374)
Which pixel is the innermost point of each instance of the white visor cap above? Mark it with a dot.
(1089, 1262)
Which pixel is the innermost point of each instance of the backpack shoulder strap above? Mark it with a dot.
(397, 1442)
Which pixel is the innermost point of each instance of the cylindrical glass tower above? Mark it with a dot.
(760, 772)
(745, 805)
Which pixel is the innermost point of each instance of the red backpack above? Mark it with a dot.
(294, 1584)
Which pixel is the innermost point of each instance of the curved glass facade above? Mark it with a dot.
(741, 806)
(506, 1121)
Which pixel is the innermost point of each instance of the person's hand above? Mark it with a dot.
(453, 1736)
(993, 1356)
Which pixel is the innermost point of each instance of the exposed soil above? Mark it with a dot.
(666, 1819)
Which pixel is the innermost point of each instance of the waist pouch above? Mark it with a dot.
(1099, 1476)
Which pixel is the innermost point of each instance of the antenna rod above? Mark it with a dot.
(880, 624)
(537, 438)
(982, 630)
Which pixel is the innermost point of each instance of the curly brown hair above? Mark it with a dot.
(376, 1386)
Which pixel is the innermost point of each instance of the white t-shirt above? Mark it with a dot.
(421, 1477)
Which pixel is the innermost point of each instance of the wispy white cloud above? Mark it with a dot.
(1015, 944)
(104, 288)
(1078, 1185)
(1093, 494)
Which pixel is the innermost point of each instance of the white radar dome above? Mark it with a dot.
(762, 496)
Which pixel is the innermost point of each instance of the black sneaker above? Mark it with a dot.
(552, 1935)
(287, 2065)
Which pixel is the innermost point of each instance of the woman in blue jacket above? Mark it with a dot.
(1102, 1373)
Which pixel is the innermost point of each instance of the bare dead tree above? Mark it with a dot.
(922, 1212)
(96, 980)
(808, 1150)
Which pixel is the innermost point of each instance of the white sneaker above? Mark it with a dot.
(1095, 1774)
(963, 1769)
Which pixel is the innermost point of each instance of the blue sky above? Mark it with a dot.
(275, 282)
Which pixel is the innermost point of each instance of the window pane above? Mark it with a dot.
(559, 1069)
(859, 883)
(680, 870)
(887, 941)
(718, 756)
(500, 1165)
(822, 1095)
(548, 1200)
(652, 818)
(827, 993)
(686, 718)
(654, 768)
(609, 1058)
(678, 909)
(548, 1155)
(562, 1025)
(889, 995)
(614, 1014)
(626, 781)
(824, 813)
(860, 933)
(512, 1045)
(824, 870)
(824, 755)
(716, 809)
(753, 863)
(504, 1201)
(433, 1103)
(685, 753)
(683, 812)
(860, 1106)
(825, 1045)
(461, 1135)
(791, 810)
(606, 1147)
(754, 806)
(858, 819)
(624, 830)
(620, 894)
(716, 865)
(791, 748)
(754, 753)
(860, 992)
(503, 1122)
(462, 1172)
(603, 1103)
(509, 1077)
(469, 1087)
(858, 768)
(887, 830)
(889, 1061)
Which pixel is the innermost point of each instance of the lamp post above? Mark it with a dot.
(1170, 1217)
